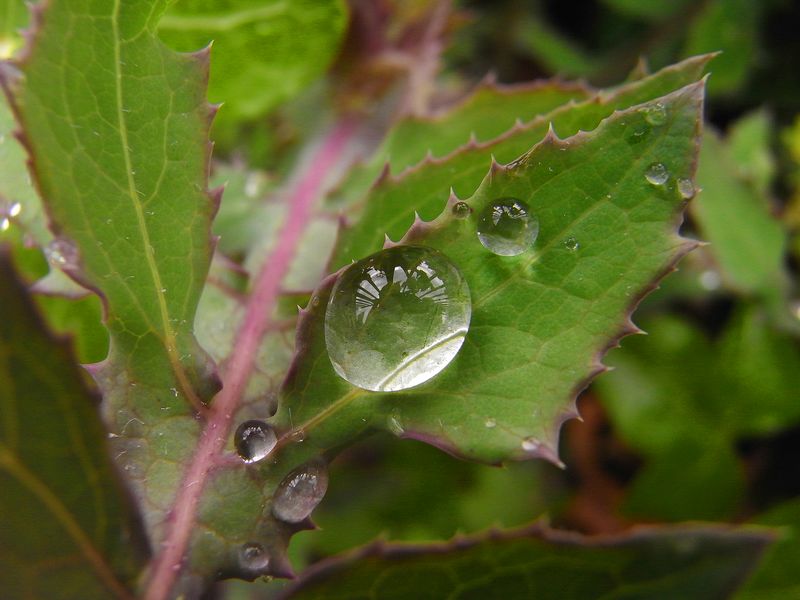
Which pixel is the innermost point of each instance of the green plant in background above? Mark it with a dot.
(464, 255)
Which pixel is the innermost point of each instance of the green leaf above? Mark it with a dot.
(117, 131)
(776, 577)
(690, 563)
(749, 145)
(590, 188)
(264, 52)
(683, 401)
(390, 207)
(746, 241)
(64, 519)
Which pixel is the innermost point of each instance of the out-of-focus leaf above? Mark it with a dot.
(730, 26)
(64, 519)
(776, 578)
(690, 563)
(653, 10)
(746, 241)
(82, 320)
(591, 188)
(264, 51)
(683, 401)
(749, 147)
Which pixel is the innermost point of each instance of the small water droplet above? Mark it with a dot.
(253, 557)
(461, 210)
(4, 224)
(315, 301)
(300, 492)
(571, 244)
(397, 318)
(62, 253)
(174, 392)
(395, 425)
(655, 114)
(298, 436)
(686, 189)
(490, 423)
(14, 209)
(163, 290)
(507, 228)
(530, 444)
(657, 174)
(254, 440)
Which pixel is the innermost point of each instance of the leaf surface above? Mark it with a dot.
(543, 316)
(64, 519)
(691, 563)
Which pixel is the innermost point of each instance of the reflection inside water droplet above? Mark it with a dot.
(656, 174)
(300, 492)
(254, 440)
(507, 228)
(253, 557)
(396, 318)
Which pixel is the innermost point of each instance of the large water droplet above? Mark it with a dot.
(254, 440)
(396, 318)
(507, 228)
(300, 492)
(655, 114)
(253, 557)
(657, 174)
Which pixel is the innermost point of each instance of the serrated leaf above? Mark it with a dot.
(64, 519)
(264, 52)
(117, 132)
(690, 563)
(390, 207)
(591, 188)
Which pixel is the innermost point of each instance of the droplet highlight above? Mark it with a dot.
(656, 174)
(506, 227)
(300, 492)
(530, 444)
(253, 557)
(490, 423)
(254, 440)
(397, 318)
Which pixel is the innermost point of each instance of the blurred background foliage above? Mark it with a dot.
(700, 420)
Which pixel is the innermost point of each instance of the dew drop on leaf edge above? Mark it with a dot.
(461, 210)
(300, 492)
(253, 557)
(254, 440)
(396, 318)
(656, 174)
(507, 227)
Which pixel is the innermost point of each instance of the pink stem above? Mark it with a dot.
(167, 564)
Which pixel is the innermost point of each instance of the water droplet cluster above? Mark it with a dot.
(396, 318)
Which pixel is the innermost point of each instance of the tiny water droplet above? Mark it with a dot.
(298, 436)
(315, 301)
(530, 444)
(300, 492)
(14, 209)
(4, 224)
(461, 210)
(507, 228)
(254, 440)
(253, 557)
(655, 114)
(571, 244)
(490, 423)
(62, 253)
(397, 318)
(657, 174)
(686, 189)
(395, 425)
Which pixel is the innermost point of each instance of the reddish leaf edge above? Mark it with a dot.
(759, 537)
